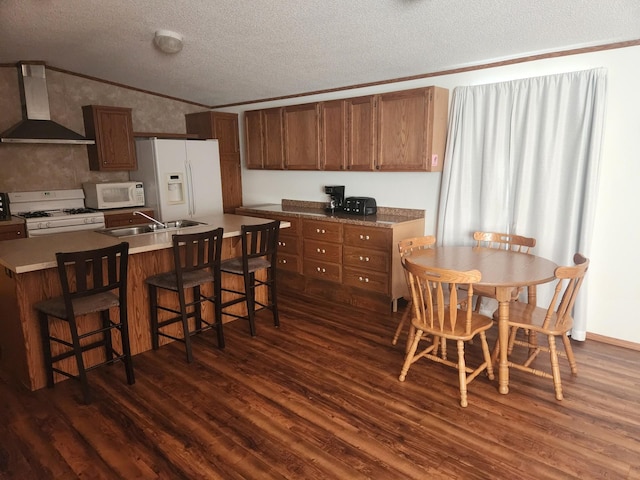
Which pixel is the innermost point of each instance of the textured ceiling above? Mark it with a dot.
(242, 50)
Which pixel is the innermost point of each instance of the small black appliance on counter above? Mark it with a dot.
(360, 206)
(336, 198)
(5, 213)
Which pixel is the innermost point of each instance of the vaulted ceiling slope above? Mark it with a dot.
(243, 50)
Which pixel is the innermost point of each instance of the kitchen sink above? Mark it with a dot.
(150, 228)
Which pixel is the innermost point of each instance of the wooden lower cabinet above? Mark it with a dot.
(343, 262)
(119, 218)
(12, 231)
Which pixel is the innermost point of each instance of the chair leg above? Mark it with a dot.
(106, 335)
(197, 308)
(487, 355)
(408, 359)
(274, 297)
(126, 346)
(555, 368)
(570, 357)
(396, 335)
(512, 339)
(217, 312)
(185, 327)
(153, 315)
(46, 347)
(249, 288)
(77, 350)
(462, 374)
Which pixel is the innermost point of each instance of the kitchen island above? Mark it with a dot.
(30, 275)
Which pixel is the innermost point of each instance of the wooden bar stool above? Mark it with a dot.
(92, 281)
(197, 263)
(259, 250)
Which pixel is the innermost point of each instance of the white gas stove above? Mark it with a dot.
(54, 211)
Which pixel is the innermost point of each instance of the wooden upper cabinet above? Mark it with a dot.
(361, 133)
(395, 131)
(220, 125)
(411, 129)
(254, 157)
(302, 137)
(112, 129)
(224, 127)
(333, 135)
(273, 136)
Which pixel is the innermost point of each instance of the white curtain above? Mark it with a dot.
(523, 157)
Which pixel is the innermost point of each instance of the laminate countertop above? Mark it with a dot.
(38, 253)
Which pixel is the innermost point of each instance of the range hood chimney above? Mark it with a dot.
(37, 126)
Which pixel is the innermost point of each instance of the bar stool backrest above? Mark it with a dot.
(93, 272)
(260, 241)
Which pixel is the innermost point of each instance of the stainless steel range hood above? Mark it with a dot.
(37, 126)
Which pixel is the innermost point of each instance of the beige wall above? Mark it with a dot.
(47, 167)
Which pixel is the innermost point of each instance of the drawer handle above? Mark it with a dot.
(283, 261)
(321, 250)
(363, 279)
(322, 270)
(364, 237)
(282, 244)
(364, 259)
(320, 230)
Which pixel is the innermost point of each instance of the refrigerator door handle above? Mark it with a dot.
(190, 192)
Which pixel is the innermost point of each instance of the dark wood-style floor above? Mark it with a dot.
(320, 398)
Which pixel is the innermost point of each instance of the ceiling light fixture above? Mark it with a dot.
(168, 41)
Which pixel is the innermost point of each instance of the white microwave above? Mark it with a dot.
(113, 195)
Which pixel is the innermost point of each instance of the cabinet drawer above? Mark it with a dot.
(114, 219)
(369, 237)
(288, 244)
(377, 260)
(290, 263)
(294, 229)
(374, 281)
(327, 252)
(325, 231)
(324, 270)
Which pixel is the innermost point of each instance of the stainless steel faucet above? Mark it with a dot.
(160, 224)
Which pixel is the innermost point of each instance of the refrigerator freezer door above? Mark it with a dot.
(203, 174)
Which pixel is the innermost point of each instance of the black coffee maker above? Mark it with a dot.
(336, 198)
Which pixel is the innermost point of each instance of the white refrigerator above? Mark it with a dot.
(181, 177)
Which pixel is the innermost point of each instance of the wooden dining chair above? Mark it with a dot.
(553, 321)
(441, 320)
(408, 247)
(504, 241)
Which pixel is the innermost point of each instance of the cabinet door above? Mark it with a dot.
(302, 137)
(220, 125)
(253, 139)
(333, 135)
(13, 231)
(112, 129)
(273, 156)
(231, 177)
(361, 133)
(403, 125)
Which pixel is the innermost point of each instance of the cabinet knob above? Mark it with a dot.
(282, 244)
(283, 261)
(363, 279)
(320, 230)
(321, 270)
(321, 250)
(364, 259)
(364, 237)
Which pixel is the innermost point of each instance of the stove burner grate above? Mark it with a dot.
(36, 214)
(75, 211)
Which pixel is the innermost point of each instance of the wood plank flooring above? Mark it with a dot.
(319, 398)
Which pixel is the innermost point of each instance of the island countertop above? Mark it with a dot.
(38, 253)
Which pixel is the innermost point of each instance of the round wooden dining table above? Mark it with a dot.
(502, 269)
